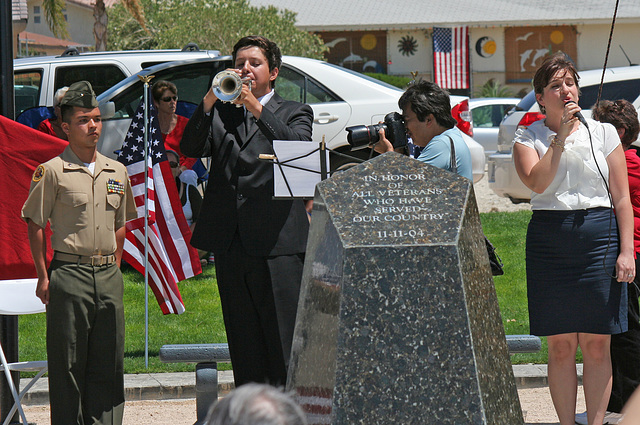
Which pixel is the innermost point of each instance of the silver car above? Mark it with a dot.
(619, 83)
(487, 113)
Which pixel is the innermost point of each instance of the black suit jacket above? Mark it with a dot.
(240, 188)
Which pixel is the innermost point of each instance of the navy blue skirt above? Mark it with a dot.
(571, 257)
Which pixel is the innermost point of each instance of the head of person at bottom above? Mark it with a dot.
(622, 115)
(426, 110)
(258, 59)
(256, 404)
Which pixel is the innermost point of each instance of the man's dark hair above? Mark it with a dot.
(256, 404)
(622, 114)
(425, 98)
(270, 50)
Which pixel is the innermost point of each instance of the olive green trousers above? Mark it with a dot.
(85, 344)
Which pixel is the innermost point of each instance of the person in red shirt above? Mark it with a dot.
(625, 347)
(165, 99)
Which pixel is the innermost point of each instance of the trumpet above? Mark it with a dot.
(227, 85)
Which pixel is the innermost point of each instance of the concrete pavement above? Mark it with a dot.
(181, 385)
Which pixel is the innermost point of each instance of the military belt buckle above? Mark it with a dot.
(100, 260)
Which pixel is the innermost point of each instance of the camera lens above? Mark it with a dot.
(361, 136)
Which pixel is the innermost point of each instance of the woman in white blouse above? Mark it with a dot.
(578, 251)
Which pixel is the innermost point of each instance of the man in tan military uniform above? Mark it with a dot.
(87, 199)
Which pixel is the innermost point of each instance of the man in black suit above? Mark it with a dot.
(258, 242)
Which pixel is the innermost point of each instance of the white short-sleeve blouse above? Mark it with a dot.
(578, 184)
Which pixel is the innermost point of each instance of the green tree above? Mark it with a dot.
(212, 24)
(492, 88)
(57, 24)
(55, 18)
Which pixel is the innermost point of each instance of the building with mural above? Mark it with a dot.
(507, 39)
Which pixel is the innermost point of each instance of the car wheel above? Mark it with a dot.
(342, 163)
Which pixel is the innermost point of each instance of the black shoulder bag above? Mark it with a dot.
(494, 259)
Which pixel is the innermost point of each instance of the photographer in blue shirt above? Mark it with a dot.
(426, 111)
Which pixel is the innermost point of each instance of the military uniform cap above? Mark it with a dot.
(80, 94)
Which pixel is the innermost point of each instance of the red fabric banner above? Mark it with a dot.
(22, 149)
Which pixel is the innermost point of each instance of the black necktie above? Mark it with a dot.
(248, 119)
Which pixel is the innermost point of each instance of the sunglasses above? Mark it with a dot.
(173, 164)
(169, 99)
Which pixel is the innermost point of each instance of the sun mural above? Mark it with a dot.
(408, 46)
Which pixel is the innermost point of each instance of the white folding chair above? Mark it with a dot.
(18, 297)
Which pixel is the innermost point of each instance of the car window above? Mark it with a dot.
(192, 81)
(482, 116)
(101, 77)
(629, 90)
(27, 85)
(294, 85)
(489, 115)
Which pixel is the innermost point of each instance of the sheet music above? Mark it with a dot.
(301, 181)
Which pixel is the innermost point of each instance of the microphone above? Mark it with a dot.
(579, 115)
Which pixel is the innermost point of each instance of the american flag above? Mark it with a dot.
(451, 57)
(316, 402)
(171, 257)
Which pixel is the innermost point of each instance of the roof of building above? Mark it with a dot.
(410, 14)
(19, 10)
(43, 40)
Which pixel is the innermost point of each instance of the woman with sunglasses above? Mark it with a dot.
(165, 99)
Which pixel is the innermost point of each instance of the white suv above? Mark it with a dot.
(37, 78)
(619, 83)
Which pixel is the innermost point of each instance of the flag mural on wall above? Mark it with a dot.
(451, 57)
(171, 257)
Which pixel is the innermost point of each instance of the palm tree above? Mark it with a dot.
(55, 19)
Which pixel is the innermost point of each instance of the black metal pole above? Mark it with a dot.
(8, 324)
(9, 341)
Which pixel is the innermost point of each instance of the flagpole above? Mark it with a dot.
(469, 55)
(145, 80)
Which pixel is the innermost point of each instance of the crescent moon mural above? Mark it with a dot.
(485, 47)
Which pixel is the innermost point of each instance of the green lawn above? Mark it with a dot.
(202, 321)
(507, 232)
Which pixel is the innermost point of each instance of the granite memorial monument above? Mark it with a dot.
(398, 321)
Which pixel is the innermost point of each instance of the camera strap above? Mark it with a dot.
(453, 167)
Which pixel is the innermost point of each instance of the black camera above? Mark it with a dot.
(362, 136)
